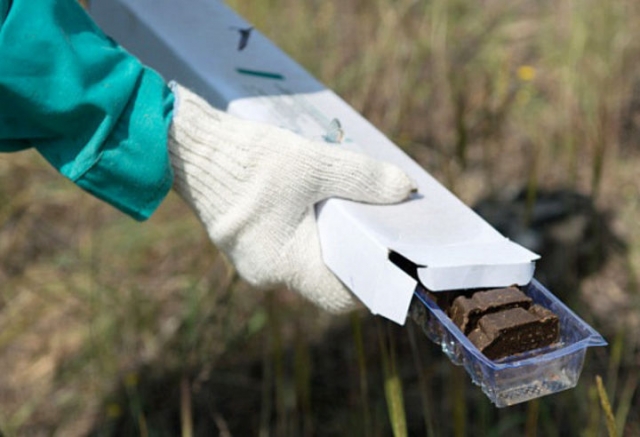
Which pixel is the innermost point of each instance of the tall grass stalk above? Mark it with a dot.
(459, 402)
(533, 414)
(135, 400)
(266, 404)
(392, 382)
(599, 149)
(277, 357)
(302, 376)
(615, 359)
(532, 183)
(606, 407)
(143, 428)
(356, 327)
(186, 413)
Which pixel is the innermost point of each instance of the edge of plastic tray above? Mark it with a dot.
(592, 339)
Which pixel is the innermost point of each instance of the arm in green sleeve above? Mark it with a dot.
(90, 108)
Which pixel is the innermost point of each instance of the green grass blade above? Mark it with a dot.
(606, 407)
(392, 383)
(356, 326)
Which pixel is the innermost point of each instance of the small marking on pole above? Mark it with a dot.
(259, 73)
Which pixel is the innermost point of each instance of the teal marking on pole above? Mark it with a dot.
(258, 73)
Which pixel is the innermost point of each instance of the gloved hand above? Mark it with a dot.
(254, 187)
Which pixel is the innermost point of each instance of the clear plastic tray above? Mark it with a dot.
(517, 378)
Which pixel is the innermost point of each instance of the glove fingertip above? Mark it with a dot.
(391, 185)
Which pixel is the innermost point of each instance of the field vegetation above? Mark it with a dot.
(110, 327)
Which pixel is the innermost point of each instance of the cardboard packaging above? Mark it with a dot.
(207, 47)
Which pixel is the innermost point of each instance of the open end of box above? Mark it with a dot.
(460, 268)
(404, 264)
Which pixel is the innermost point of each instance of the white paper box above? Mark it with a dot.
(449, 246)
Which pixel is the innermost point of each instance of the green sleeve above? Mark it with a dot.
(90, 108)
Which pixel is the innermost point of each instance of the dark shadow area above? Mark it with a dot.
(572, 236)
(254, 389)
(248, 395)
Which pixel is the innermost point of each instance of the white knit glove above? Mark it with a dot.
(254, 187)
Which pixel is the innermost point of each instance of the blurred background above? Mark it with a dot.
(528, 110)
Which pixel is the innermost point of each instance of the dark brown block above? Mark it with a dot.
(514, 331)
(466, 311)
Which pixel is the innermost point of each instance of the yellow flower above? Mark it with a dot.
(526, 73)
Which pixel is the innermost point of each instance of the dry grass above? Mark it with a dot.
(111, 326)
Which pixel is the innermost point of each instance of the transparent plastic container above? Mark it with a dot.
(521, 377)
